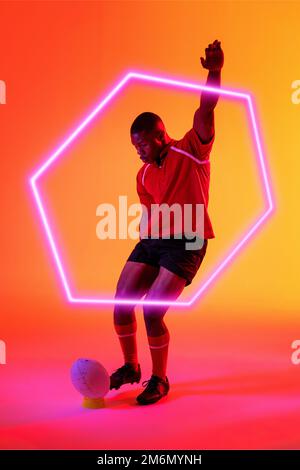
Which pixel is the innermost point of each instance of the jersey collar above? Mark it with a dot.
(163, 154)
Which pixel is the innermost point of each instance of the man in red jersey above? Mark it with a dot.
(175, 172)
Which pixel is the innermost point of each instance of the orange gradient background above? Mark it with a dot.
(58, 60)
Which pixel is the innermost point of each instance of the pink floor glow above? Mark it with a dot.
(235, 390)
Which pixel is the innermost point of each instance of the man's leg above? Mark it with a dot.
(167, 286)
(134, 282)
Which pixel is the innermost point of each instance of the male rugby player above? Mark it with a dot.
(159, 267)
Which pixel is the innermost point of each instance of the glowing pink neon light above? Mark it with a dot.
(236, 249)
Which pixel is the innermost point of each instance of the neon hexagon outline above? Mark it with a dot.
(246, 97)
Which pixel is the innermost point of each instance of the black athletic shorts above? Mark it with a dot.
(171, 254)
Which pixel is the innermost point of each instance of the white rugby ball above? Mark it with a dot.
(90, 378)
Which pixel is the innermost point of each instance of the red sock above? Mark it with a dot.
(127, 337)
(159, 346)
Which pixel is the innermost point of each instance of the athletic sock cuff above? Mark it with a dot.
(129, 329)
(157, 342)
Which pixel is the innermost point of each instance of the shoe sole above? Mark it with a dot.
(134, 381)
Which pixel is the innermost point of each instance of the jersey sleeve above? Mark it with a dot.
(146, 200)
(144, 196)
(192, 144)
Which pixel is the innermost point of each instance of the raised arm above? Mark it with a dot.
(204, 115)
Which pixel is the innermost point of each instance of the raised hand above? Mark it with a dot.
(214, 57)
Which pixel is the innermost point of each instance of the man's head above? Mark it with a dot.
(148, 135)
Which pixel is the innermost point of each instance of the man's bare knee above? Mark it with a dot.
(153, 313)
(124, 316)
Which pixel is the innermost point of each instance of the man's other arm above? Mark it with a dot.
(204, 115)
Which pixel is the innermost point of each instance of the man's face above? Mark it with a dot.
(148, 145)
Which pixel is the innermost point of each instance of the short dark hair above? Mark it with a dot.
(145, 122)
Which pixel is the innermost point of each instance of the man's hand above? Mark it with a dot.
(214, 57)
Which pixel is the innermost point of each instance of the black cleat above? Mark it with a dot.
(156, 388)
(125, 374)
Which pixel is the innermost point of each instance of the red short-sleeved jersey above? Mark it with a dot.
(181, 178)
